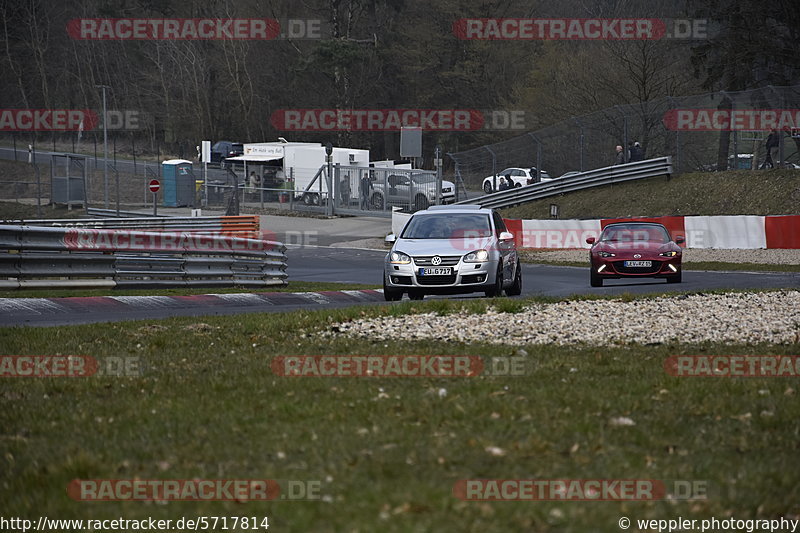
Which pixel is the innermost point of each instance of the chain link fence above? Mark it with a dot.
(688, 128)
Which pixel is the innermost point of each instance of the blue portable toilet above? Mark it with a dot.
(177, 183)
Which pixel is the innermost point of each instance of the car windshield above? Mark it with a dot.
(447, 226)
(635, 233)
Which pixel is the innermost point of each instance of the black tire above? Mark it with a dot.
(677, 278)
(517, 185)
(487, 187)
(420, 203)
(391, 295)
(376, 201)
(416, 295)
(594, 279)
(497, 289)
(516, 288)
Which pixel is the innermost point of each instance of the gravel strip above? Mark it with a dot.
(691, 255)
(740, 318)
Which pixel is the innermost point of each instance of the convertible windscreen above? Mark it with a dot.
(441, 226)
(635, 233)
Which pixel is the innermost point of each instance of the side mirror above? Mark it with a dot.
(680, 240)
(590, 240)
(390, 239)
(506, 236)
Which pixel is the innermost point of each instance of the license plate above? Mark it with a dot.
(639, 264)
(435, 271)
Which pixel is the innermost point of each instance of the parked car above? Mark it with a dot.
(413, 191)
(451, 250)
(520, 177)
(224, 149)
(634, 250)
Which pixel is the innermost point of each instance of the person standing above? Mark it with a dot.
(773, 140)
(640, 151)
(620, 158)
(635, 152)
(365, 184)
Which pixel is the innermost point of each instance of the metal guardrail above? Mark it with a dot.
(113, 213)
(46, 257)
(239, 226)
(586, 180)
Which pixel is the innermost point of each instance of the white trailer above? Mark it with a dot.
(389, 163)
(303, 164)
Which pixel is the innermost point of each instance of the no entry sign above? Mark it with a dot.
(155, 185)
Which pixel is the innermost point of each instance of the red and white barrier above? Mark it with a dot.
(747, 232)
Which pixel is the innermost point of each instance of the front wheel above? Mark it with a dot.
(594, 279)
(677, 278)
(487, 187)
(497, 289)
(516, 288)
(391, 295)
(420, 203)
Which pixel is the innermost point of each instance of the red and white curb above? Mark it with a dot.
(111, 304)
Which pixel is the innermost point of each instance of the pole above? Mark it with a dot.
(581, 140)
(328, 179)
(494, 169)
(538, 157)
(155, 203)
(437, 154)
(105, 146)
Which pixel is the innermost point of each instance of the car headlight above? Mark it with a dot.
(668, 254)
(478, 256)
(399, 258)
(606, 254)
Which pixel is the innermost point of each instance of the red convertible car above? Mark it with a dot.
(634, 250)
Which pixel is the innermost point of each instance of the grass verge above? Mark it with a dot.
(388, 451)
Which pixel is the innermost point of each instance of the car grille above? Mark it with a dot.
(447, 260)
(436, 280)
(446, 189)
(618, 266)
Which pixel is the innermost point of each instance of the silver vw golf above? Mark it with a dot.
(450, 250)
